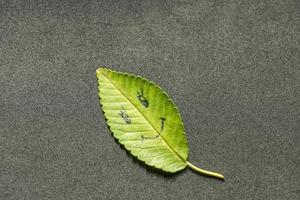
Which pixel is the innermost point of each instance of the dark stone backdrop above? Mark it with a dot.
(230, 66)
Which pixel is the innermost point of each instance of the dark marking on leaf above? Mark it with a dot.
(142, 99)
(125, 116)
(162, 123)
(144, 137)
(162, 127)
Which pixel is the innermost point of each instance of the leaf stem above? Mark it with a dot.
(205, 172)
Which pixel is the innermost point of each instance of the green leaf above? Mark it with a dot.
(145, 120)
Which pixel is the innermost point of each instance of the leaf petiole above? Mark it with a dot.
(205, 172)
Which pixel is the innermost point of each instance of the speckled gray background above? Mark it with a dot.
(230, 66)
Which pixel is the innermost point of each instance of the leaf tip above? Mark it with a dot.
(101, 70)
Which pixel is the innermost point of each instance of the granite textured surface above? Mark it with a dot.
(232, 68)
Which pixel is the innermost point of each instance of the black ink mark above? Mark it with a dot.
(144, 137)
(125, 116)
(142, 99)
(161, 128)
(162, 123)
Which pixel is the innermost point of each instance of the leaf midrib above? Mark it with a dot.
(172, 150)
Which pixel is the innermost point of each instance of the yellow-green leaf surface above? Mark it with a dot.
(145, 120)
